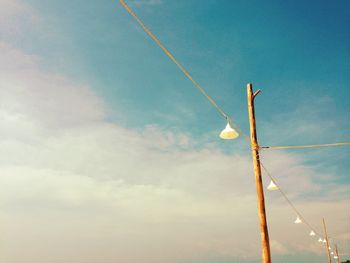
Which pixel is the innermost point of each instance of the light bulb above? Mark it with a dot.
(228, 133)
(272, 186)
(298, 220)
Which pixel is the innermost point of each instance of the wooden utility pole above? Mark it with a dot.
(266, 255)
(336, 252)
(327, 243)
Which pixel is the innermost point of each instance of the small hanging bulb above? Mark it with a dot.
(320, 240)
(297, 221)
(324, 240)
(332, 253)
(312, 233)
(228, 133)
(336, 257)
(329, 248)
(272, 186)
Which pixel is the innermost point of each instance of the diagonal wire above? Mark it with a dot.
(166, 51)
(307, 146)
(288, 200)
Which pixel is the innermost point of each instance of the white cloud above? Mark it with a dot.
(16, 17)
(47, 98)
(278, 248)
(58, 154)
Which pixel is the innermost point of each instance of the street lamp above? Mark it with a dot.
(298, 220)
(272, 186)
(228, 133)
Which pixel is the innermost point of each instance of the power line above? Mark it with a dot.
(187, 74)
(307, 146)
(166, 51)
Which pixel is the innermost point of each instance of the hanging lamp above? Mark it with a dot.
(228, 133)
(312, 233)
(272, 186)
(298, 220)
(320, 240)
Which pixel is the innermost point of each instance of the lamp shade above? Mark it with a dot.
(336, 257)
(298, 220)
(228, 133)
(312, 233)
(320, 240)
(272, 186)
(324, 240)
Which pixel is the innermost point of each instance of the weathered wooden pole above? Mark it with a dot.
(266, 255)
(327, 243)
(336, 252)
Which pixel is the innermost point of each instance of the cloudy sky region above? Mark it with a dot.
(109, 154)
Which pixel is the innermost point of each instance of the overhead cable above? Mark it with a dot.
(166, 51)
(307, 146)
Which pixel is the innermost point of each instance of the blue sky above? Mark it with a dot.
(99, 123)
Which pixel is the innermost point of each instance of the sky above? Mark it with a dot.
(108, 153)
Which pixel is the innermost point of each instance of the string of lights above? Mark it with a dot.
(321, 238)
(276, 186)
